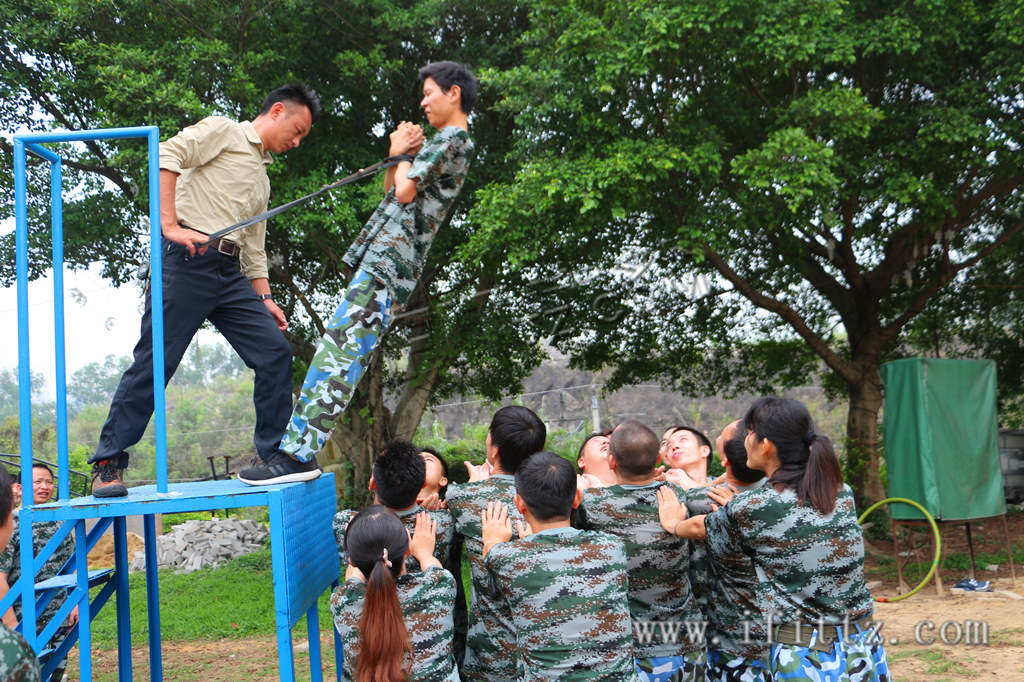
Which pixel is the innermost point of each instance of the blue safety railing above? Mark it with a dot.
(303, 549)
(31, 142)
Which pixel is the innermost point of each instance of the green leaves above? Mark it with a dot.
(791, 165)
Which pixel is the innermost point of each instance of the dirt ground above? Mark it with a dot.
(933, 617)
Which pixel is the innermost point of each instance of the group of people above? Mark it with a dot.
(615, 571)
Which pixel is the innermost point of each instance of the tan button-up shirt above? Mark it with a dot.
(222, 180)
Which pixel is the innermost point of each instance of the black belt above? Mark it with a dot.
(225, 246)
(787, 634)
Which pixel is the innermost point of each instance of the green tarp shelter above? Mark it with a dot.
(941, 438)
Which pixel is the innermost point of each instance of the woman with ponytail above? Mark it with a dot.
(394, 625)
(801, 532)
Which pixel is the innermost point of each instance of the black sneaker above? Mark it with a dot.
(279, 468)
(106, 479)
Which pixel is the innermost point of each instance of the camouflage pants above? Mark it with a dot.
(338, 365)
(726, 668)
(859, 658)
(687, 668)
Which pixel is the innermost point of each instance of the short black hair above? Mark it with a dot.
(634, 448)
(6, 496)
(447, 74)
(40, 465)
(296, 93)
(399, 473)
(517, 432)
(441, 490)
(736, 454)
(547, 484)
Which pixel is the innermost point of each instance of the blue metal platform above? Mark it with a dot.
(303, 548)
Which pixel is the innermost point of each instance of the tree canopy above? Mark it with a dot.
(832, 167)
(845, 175)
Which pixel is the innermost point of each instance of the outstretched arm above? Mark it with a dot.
(673, 517)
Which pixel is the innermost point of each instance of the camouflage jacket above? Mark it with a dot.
(658, 562)
(445, 532)
(394, 243)
(426, 598)
(567, 591)
(491, 641)
(10, 563)
(807, 565)
(736, 626)
(18, 663)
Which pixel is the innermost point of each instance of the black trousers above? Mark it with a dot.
(195, 289)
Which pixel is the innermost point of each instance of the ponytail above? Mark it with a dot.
(385, 648)
(822, 477)
(383, 639)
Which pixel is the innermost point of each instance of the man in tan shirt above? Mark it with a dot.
(213, 174)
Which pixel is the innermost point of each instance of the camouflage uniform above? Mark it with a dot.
(10, 563)
(808, 566)
(659, 583)
(445, 532)
(567, 591)
(387, 258)
(426, 598)
(18, 663)
(491, 641)
(737, 638)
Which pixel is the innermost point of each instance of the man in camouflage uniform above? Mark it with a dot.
(387, 258)
(565, 588)
(736, 635)
(10, 558)
(515, 434)
(667, 638)
(398, 474)
(18, 663)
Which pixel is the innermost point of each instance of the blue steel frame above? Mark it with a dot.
(303, 550)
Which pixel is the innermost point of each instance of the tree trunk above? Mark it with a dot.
(862, 431)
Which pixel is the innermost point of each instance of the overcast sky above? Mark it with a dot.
(99, 320)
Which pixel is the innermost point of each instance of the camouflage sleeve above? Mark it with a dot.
(7, 556)
(341, 521)
(495, 562)
(460, 498)
(697, 501)
(345, 595)
(437, 157)
(724, 538)
(445, 534)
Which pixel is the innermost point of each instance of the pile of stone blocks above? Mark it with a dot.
(203, 544)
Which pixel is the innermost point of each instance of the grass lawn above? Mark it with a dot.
(233, 601)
